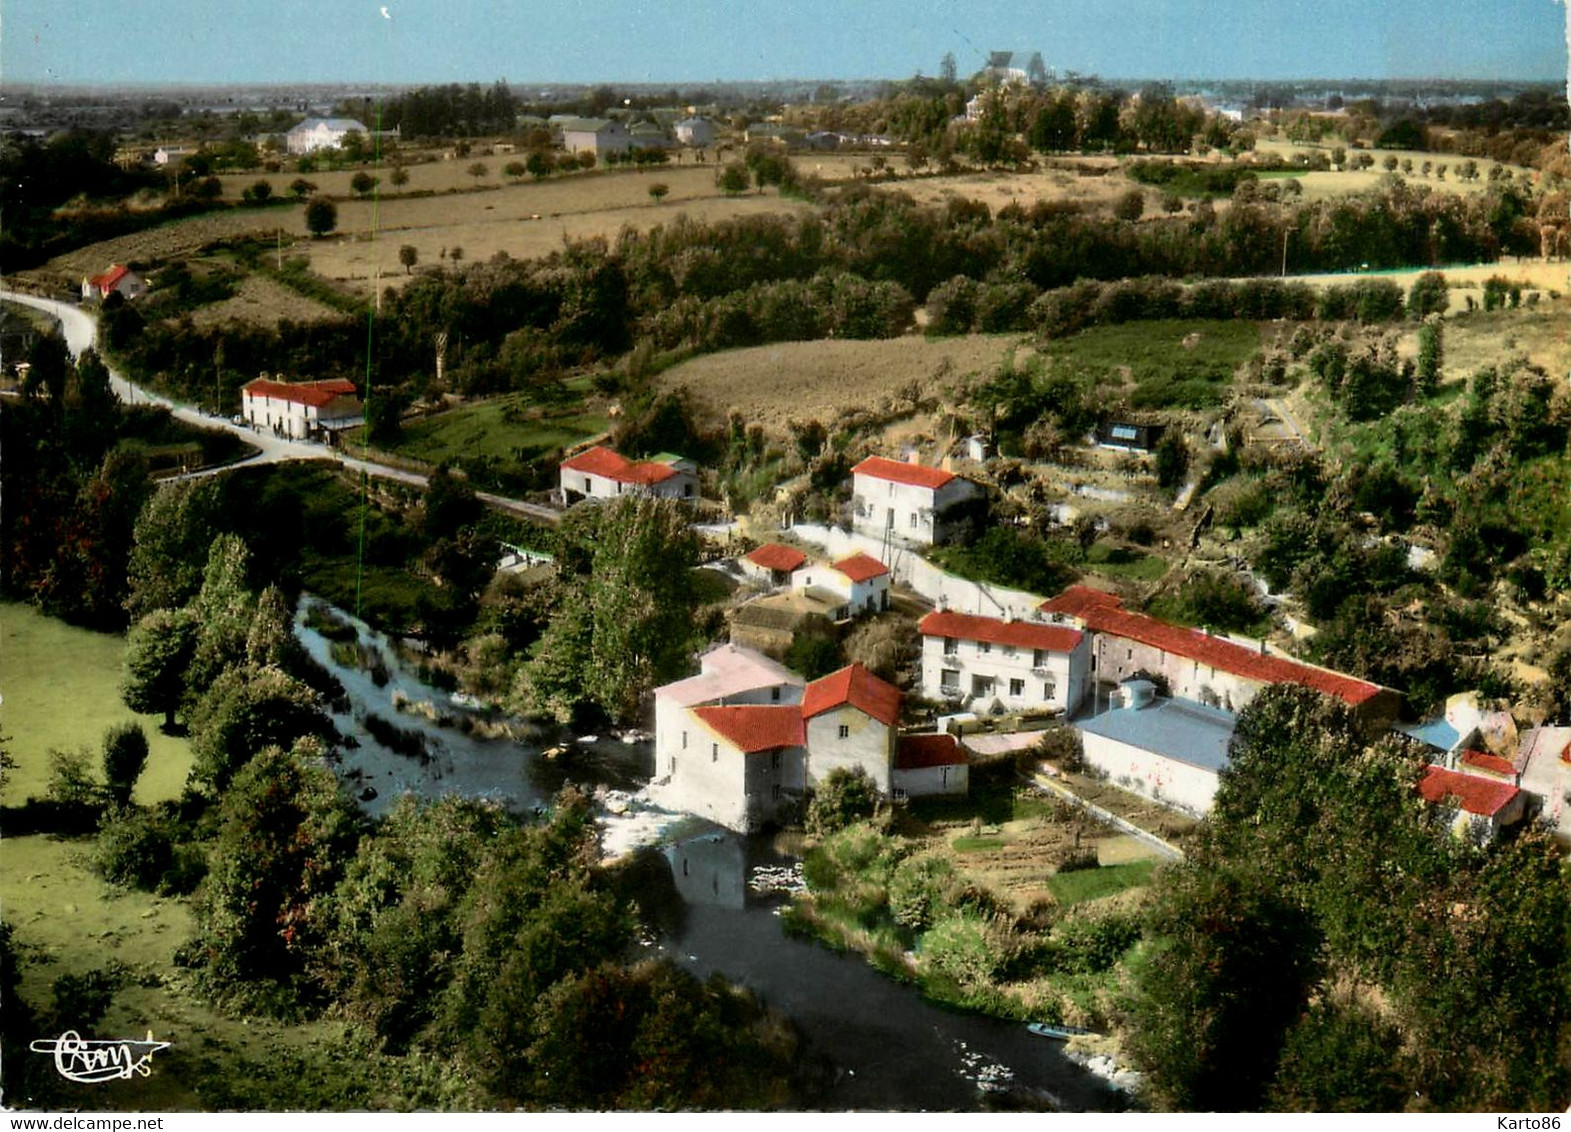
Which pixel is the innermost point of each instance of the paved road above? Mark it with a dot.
(81, 332)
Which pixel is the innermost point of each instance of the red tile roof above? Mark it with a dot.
(1100, 612)
(1483, 760)
(108, 279)
(774, 556)
(860, 567)
(755, 727)
(313, 393)
(1025, 634)
(900, 472)
(918, 751)
(1482, 796)
(856, 686)
(602, 461)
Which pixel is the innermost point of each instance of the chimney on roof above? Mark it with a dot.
(913, 457)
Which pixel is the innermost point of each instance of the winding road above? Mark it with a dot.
(81, 333)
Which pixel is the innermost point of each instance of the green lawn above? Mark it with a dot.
(61, 688)
(1121, 562)
(1092, 884)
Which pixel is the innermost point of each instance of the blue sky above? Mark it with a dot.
(696, 41)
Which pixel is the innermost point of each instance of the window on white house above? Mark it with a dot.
(949, 681)
(774, 694)
(845, 731)
(1039, 658)
(913, 520)
(586, 485)
(1049, 689)
(981, 685)
(777, 792)
(951, 647)
(1009, 651)
(983, 648)
(684, 740)
(714, 752)
(1017, 687)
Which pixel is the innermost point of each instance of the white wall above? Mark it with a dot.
(1173, 783)
(1118, 658)
(1067, 672)
(868, 744)
(709, 777)
(926, 781)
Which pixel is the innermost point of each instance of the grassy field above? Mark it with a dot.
(1466, 280)
(1093, 884)
(1126, 564)
(801, 381)
(502, 428)
(1542, 333)
(61, 688)
(1161, 364)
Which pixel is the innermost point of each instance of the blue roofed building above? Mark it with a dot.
(1168, 750)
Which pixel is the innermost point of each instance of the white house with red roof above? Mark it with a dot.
(119, 279)
(1484, 804)
(601, 473)
(1019, 665)
(860, 580)
(906, 502)
(930, 764)
(743, 742)
(301, 410)
(773, 563)
(1213, 670)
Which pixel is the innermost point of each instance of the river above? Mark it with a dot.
(889, 1048)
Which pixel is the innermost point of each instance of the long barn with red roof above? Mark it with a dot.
(602, 473)
(301, 410)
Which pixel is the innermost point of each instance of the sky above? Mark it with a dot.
(688, 42)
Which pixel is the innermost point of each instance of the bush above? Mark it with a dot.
(125, 754)
(965, 948)
(844, 797)
(134, 848)
(80, 1001)
(71, 781)
(919, 890)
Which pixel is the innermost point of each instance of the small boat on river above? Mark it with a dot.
(1056, 1032)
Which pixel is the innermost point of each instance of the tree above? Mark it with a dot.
(1428, 295)
(361, 184)
(477, 170)
(408, 255)
(658, 191)
(1172, 459)
(538, 165)
(1231, 971)
(399, 176)
(515, 170)
(208, 188)
(259, 193)
(224, 608)
(1431, 357)
(321, 217)
(286, 832)
(300, 188)
(158, 652)
(125, 754)
(247, 709)
(1130, 206)
(170, 543)
(843, 797)
(732, 179)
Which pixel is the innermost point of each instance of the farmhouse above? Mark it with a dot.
(773, 564)
(930, 764)
(647, 135)
(906, 502)
(165, 154)
(861, 581)
(600, 473)
(1168, 750)
(119, 279)
(321, 133)
(598, 136)
(1484, 806)
(1016, 665)
(301, 410)
(1197, 665)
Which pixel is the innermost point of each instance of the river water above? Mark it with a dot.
(700, 887)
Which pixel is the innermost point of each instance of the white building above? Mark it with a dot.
(907, 502)
(600, 473)
(861, 580)
(321, 133)
(119, 279)
(1169, 750)
(1484, 805)
(598, 136)
(301, 410)
(931, 764)
(744, 741)
(772, 564)
(697, 132)
(1018, 665)
(171, 154)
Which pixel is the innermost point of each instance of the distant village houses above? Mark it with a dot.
(602, 473)
(598, 136)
